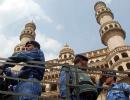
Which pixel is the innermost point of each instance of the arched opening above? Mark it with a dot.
(102, 66)
(124, 55)
(111, 63)
(53, 76)
(49, 77)
(65, 56)
(43, 88)
(106, 66)
(106, 28)
(97, 60)
(18, 49)
(111, 26)
(98, 67)
(116, 25)
(103, 9)
(23, 49)
(116, 58)
(120, 68)
(56, 75)
(45, 77)
(98, 11)
(53, 87)
(91, 61)
(128, 65)
(102, 31)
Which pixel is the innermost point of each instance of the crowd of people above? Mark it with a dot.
(74, 82)
(80, 85)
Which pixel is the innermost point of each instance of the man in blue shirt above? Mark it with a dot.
(116, 91)
(86, 89)
(33, 53)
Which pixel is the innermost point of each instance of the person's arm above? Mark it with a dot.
(62, 84)
(41, 58)
(8, 72)
(9, 60)
(21, 57)
(24, 56)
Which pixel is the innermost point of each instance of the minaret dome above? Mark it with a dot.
(66, 52)
(31, 24)
(103, 13)
(111, 32)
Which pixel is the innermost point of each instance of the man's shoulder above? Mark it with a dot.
(65, 68)
(120, 85)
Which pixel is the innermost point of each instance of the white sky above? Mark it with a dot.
(58, 22)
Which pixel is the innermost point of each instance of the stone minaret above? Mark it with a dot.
(112, 35)
(26, 35)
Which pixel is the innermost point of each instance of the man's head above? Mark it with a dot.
(32, 44)
(110, 78)
(80, 60)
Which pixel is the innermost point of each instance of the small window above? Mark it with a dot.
(128, 65)
(56, 75)
(120, 68)
(23, 49)
(43, 88)
(102, 31)
(98, 12)
(116, 25)
(98, 67)
(45, 77)
(97, 60)
(18, 49)
(106, 66)
(124, 55)
(65, 56)
(106, 28)
(102, 66)
(116, 58)
(111, 26)
(53, 87)
(52, 76)
(110, 63)
(91, 61)
(103, 9)
(49, 77)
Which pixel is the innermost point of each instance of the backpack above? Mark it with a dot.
(84, 82)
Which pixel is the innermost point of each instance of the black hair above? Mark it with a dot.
(111, 74)
(35, 43)
(114, 78)
(78, 58)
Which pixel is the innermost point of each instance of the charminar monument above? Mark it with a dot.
(115, 57)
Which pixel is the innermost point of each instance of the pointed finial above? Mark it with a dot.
(66, 45)
(99, 3)
(31, 24)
